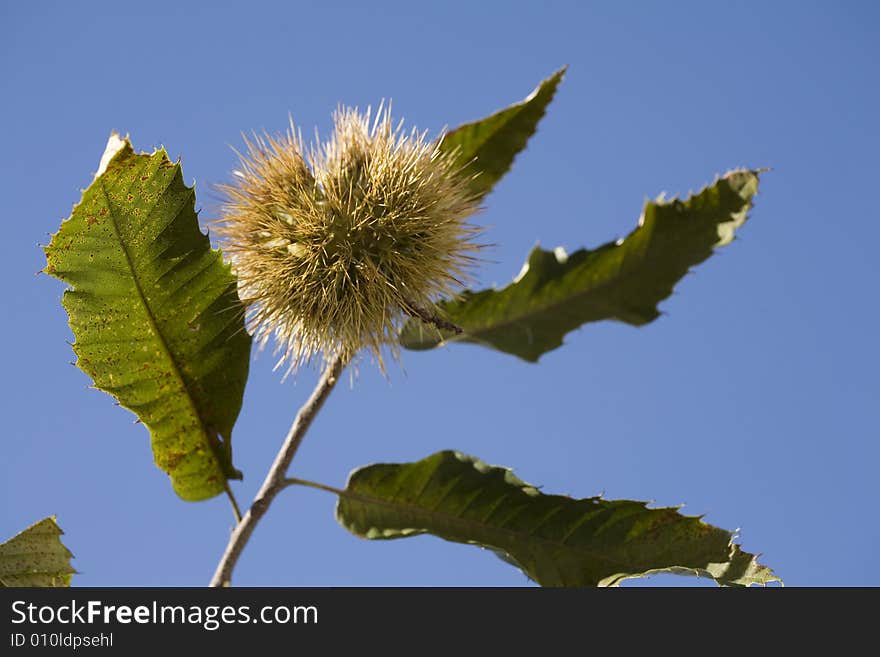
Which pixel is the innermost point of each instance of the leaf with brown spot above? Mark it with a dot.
(153, 275)
(36, 557)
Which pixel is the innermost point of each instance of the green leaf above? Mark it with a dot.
(624, 280)
(556, 540)
(486, 148)
(156, 314)
(36, 557)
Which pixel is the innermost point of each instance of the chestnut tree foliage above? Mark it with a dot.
(161, 324)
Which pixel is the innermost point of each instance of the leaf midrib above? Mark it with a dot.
(175, 366)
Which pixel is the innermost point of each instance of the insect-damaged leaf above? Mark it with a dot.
(155, 313)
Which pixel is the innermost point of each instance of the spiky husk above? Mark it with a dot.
(334, 245)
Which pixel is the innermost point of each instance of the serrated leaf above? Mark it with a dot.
(624, 280)
(486, 148)
(556, 540)
(36, 557)
(156, 314)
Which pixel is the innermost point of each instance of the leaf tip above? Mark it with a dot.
(115, 143)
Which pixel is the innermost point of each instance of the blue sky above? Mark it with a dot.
(753, 399)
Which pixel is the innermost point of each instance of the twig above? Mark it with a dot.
(275, 480)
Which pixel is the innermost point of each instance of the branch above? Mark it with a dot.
(275, 480)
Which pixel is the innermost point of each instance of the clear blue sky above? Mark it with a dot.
(754, 399)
